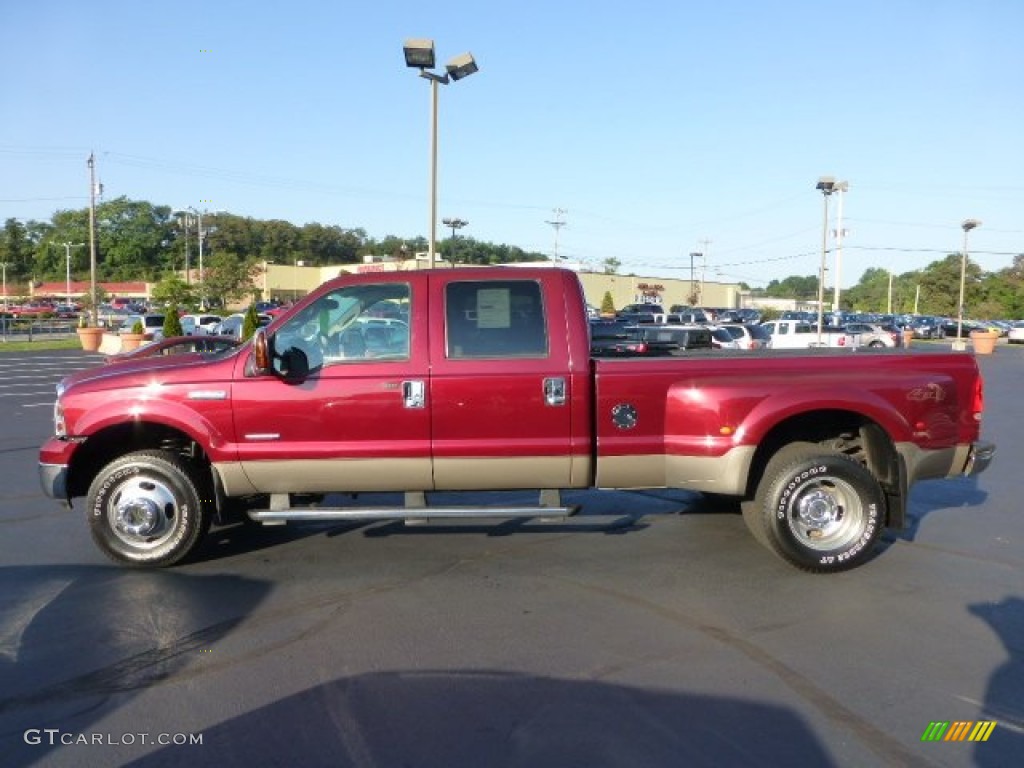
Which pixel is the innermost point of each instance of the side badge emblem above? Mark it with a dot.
(624, 416)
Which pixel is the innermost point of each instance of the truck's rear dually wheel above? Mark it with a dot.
(146, 509)
(819, 509)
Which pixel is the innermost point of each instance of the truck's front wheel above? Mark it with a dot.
(146, 509)
(818, 509)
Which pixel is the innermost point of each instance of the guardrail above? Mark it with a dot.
(25, 329)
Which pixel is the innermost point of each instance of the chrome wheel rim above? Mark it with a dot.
(826, 514)
(142, 512)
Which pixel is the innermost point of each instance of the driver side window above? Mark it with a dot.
(352, 324)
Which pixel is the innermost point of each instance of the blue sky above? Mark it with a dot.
(654, 125)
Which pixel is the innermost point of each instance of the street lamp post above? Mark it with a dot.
(185, 221)
(419, 54)
(3, 266)
(827, 184)
(841, 187)
(967, 225)
(67, 258)
(455, 224)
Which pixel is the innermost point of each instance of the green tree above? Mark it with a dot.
(250, 323)
(172, 323)
(228, 277)
(173, 292)
(16, 250)
(607, 304)
(611, 265)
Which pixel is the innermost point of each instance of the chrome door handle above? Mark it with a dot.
(414, 394)
(554, 391)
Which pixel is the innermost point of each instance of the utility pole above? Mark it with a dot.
(67, 257)
(839, 233)
(692, 298)
(703, 265)
(92, 241)
(186, 221)
(558, 223)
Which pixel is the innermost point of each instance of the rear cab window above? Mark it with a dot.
(495, 319)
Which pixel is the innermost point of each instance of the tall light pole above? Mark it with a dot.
(455, 224)
(67, 258)
(841, 188)
(419, 54)
(92, 242)
(967, 225)
(557, 224)
(827, 185)
(185, 221)
(3, 266)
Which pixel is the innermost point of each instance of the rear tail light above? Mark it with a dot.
(978, 403)
(842, 341)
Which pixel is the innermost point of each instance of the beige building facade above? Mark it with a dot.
(290, 281)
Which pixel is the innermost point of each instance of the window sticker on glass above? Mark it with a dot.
(493, 308)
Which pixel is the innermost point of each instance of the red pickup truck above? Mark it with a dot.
(472, 379)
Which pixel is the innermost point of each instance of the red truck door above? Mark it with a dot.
(359, 421)
(501, 385)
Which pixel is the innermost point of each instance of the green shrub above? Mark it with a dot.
(138, 327)
(250, 323)
(172, 324)
(607, 304)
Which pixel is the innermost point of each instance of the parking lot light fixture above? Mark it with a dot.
(3, 266)
(826, 184)
(967, 225)
(419, 54)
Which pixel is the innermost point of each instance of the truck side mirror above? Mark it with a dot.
(294, 364)
(262, 365)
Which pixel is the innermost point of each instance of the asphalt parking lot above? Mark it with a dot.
(651, 631)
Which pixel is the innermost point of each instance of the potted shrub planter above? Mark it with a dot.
(134, 339)
(89, 336)
(984, 342)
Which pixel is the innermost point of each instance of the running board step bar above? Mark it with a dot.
(415, 511)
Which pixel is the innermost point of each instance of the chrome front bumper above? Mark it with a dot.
(53, 478)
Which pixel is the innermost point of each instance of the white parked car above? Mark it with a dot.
(1016, 333)
(870, 335)
(152, 325)
(199, 325)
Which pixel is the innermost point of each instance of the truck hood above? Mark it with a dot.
(137, 373)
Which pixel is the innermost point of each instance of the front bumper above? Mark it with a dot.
(979, 458)
(54, 480)
(54, 463)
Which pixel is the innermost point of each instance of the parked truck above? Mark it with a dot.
(482, 379)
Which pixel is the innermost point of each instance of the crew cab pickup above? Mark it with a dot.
(481, 379)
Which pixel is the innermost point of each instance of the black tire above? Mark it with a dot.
(876, 343)
(817, 509)
(147, 509)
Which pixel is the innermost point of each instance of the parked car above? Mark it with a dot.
(616, 338)
(198, 325)
(949, 327)
(232, 324)
(871, 335)
(152, 325)
(1016, 333)
(684, 338)
(748, 336)
(179, 345)
(65, 311)
(722, 339)
(927, 327)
